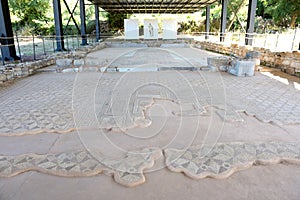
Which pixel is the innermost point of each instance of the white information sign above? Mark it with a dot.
(169, 29)
(150, 29)
(131, 27)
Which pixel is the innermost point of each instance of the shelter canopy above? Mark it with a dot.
(152, 6)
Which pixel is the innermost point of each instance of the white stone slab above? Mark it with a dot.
(243, 68)
(150, 29)
(131, 27)
(169, 29)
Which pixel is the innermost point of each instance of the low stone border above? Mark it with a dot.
(288, 62)
(13, 71)
(149, 43)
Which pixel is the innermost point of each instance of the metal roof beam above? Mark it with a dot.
(153, 6)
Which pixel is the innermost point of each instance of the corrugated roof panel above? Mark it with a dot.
(152, 6)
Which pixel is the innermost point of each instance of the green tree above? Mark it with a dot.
(283, 12)
(236, 15)
(32, 14)
(116, 21)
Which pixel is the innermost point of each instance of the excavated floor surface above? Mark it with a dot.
(63, 135)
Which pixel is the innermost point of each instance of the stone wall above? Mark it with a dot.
(148, 43)
(288, 62)
(13, 71)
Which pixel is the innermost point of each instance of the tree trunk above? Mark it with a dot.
(293, 21)
(235, 15)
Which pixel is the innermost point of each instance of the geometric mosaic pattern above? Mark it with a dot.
(217, 161)
(260, 96)
(127, 171)
(223, 159)
(134, 114)
(43, 102)
(264, 98)
(35, 104)
(156, 57)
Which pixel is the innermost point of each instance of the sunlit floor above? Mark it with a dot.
(172, 134)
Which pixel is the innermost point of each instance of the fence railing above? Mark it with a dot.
(30, 48)
(276, 42)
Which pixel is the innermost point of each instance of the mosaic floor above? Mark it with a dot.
(127, 171)
(61, 103)
(32, 109)
(217, 161)
(222, 160)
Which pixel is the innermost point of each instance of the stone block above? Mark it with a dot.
(257, 49)
(91, 69)
(286, 62)
(218, 61)
(2, 77)
(79, 63)
(296, 54)
(253, 54)
(269, 59)
(9, 75)
(94, 63)
(18, 72)
(198, 46)
(79, 54)
(234, 45)
(257, 62)
(242, 68)
(278, 62)
(64, 63)
(25, 71)
(290, 70)
(295, 64)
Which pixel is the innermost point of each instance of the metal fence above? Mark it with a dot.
(276, 42)
(29, 48)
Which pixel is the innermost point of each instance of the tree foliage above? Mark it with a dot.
(116, 21)
(285, 13)
(36, 16)
(271, 15)
(30, 13)
(236, 15)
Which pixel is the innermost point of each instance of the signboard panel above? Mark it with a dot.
(150, 29)
(131, 27)
(169, 29)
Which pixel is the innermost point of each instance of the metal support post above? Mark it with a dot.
(207, 22)
(6, 33)
(60, 46)
(250, 21)
(223, 20)
(97, 23)
(83, 25)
